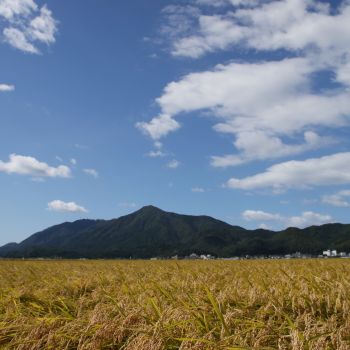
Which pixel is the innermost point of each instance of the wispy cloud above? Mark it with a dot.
(156, 153)
(92, 172)
(80, 146)
(173, 164)
(307, 218)
(17, 38)
(197, 189)
(339, 199)
(128, 204)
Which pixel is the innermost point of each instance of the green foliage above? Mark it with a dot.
(151, 232)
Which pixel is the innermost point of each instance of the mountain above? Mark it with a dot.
(151, 232)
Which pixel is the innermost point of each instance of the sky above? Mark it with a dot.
(235, 109)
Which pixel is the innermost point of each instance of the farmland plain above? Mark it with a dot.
(121, 304)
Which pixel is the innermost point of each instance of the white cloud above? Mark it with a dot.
(69, 207)
(328, 170)
(26, 25)
(219, 3)
(307, 218)
(43, 27)
(255, 145)
(159, 126)
(158, 145)
(264, 226)
(24, 165)
(287, 24)
(6, 87)
(268, 101)
(271, 107)
(197, 189)
(17, 38)
(179, 20)
(158, 150)
(12, 8)
(73, 161)
(155, 154)
(259, 215)
(173, 164)
(338, 199)
(91, 172)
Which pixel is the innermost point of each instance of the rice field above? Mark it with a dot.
(256, 304)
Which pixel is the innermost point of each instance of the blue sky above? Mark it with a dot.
(234, 109)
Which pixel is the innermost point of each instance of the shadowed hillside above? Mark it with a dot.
(152, 232)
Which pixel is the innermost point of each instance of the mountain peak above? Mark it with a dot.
(151, 231)
(150, 209)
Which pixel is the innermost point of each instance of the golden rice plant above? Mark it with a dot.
(250, 304)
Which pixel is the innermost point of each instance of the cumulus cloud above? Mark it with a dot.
(307, 218)
(339, 199)
(259, 215)
(91, 172)
(328, 170)
(26, 25)
(24, 165)
(68, 207)
(6, 87)
(43, 27)
(158, 126)
(271, 107)
(173, 164)
(267, 25)
(9, 9)
(260, 104)
(255, 145)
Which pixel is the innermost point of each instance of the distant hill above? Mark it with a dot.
(151, 232)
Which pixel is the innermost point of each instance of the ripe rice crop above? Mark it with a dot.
(251, 304)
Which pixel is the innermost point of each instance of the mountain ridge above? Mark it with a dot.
(150, 232)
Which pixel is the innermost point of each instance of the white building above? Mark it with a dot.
(326, 253)
(330, 253)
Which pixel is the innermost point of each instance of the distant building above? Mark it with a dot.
(330, 253)
(206, 257)
(326, 253)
